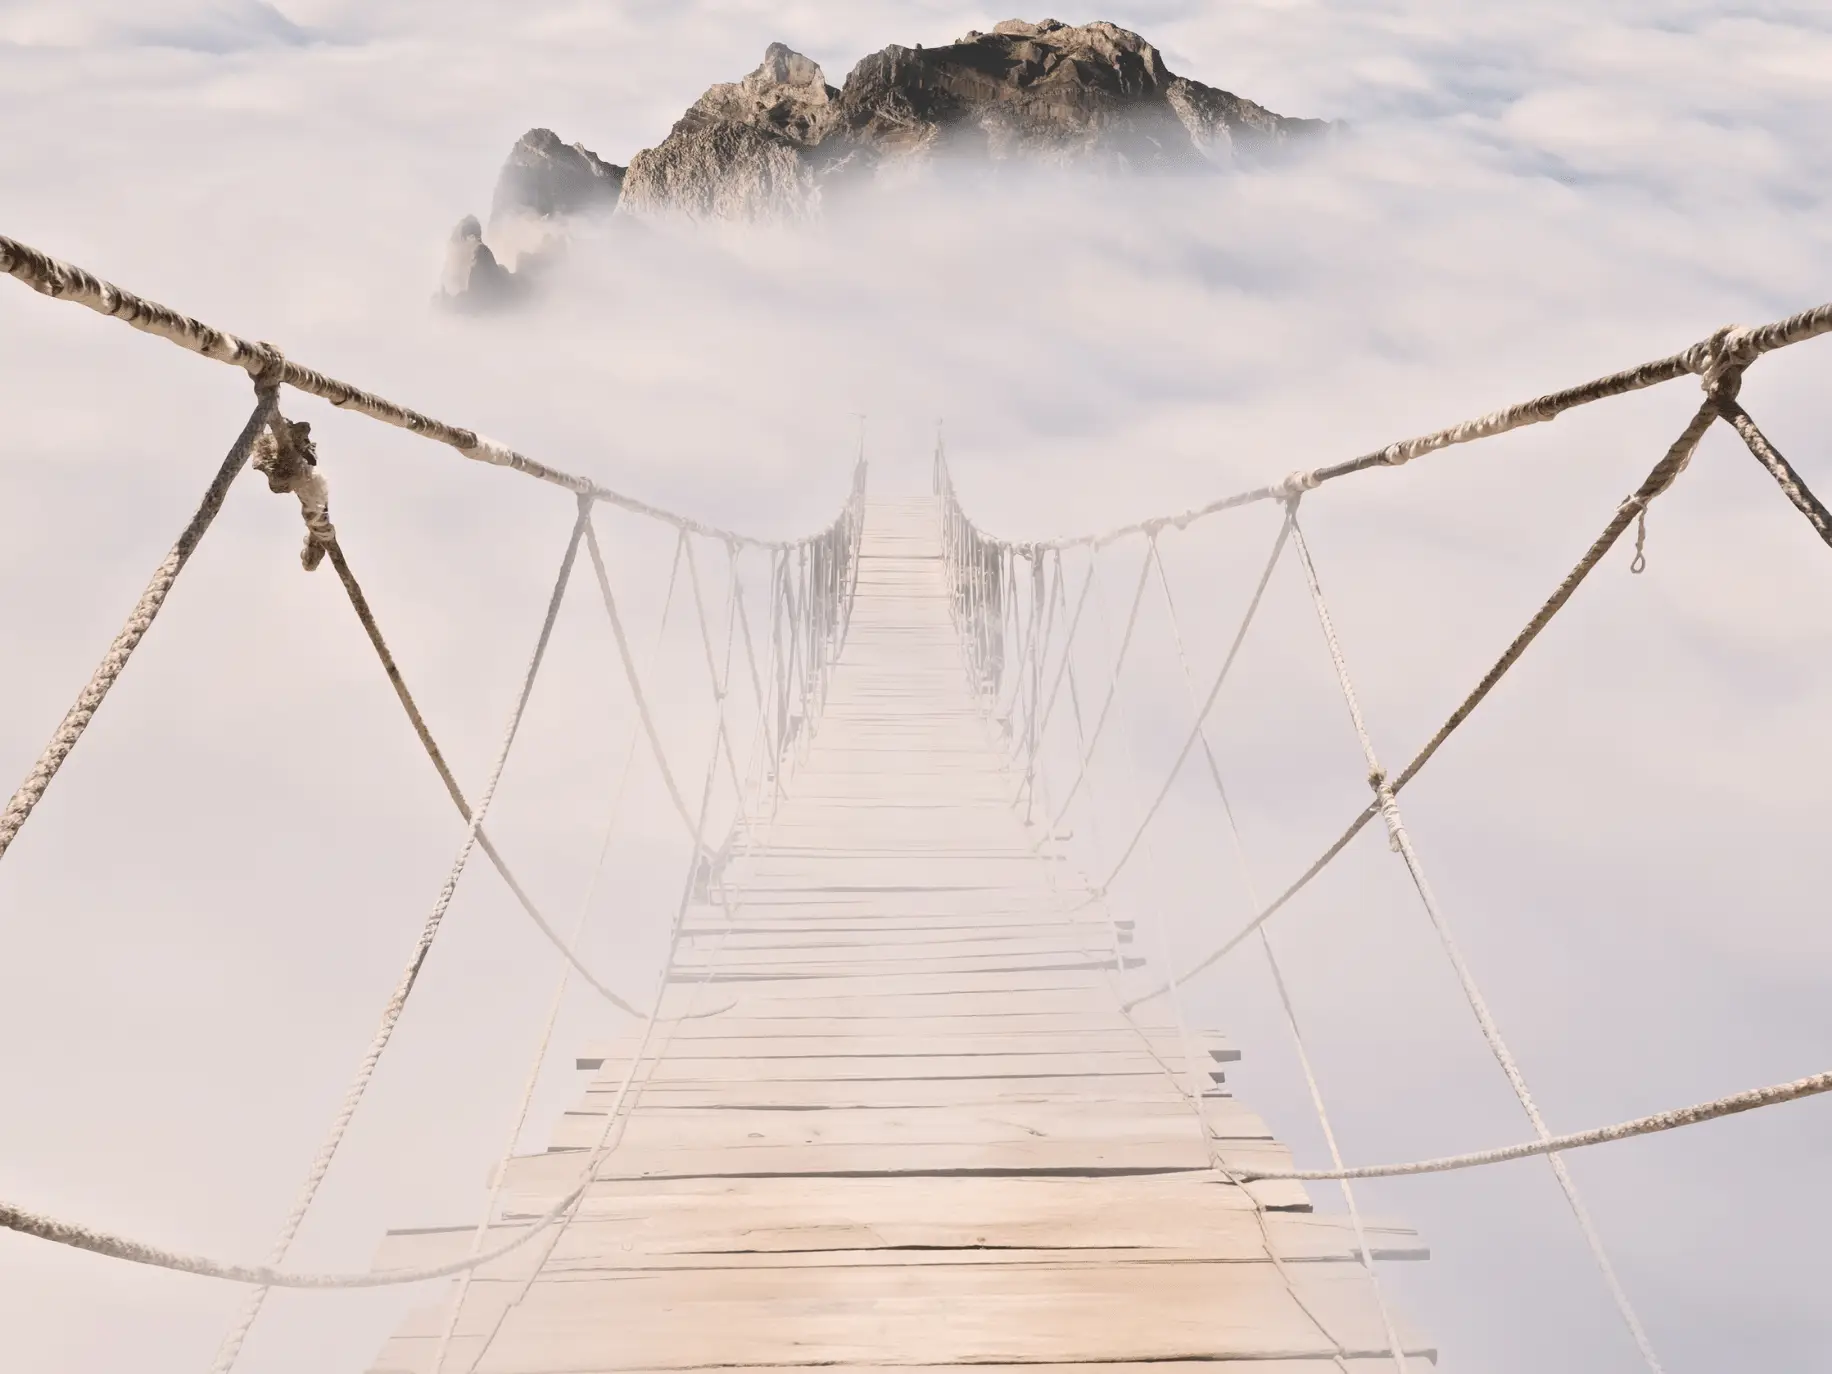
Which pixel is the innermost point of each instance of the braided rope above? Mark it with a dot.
(366, 615)
(1395, 1347)
(628, 661)
(617, 1117)
(1659, 478)
(1732, 347)
(65, 281)
(450, 1326)
(557, 1001)
(397, 1000)
(1771, 1096)
(1466, 979)
(76, 720)
(1792, 485)
(1208, 704)
(1113, 684)
(1191, 1092)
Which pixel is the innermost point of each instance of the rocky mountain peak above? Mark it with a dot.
(780, 142)
(787, 95)
(1099, 54)
(545, 177)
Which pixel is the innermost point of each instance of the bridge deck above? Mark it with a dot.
(922, 1133)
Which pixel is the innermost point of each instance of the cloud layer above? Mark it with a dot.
(217, 896)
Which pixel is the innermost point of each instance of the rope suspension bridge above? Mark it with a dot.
(911, 1088)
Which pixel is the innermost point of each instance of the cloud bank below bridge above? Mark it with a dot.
(1531, 198)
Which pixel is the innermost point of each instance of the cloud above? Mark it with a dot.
(222, 886)
(215, 27)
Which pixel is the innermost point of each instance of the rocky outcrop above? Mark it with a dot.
(546, 179)
(473, 279)
(544, 187)
(1092, 95)
(742, 150)
(781, 142)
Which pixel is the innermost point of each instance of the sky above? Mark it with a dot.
(206, 914)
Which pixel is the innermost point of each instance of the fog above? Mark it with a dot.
(203, 919)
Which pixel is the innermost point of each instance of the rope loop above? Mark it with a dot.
(286, 456)
(1720, 360)
(1297, 483)
(1640, 563)
(1389, 806)
(269, 367)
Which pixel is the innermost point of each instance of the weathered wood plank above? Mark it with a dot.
(938, 1314)
(909, 1124)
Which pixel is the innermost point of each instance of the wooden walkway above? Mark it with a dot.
(920, 1132)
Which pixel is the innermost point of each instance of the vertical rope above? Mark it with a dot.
(1208, 704)
(366, 616)
(1402, 844)
(629, 668)
(1792, 485)
(617, 1118)
(1113, 679)
(556, 1002)
(1366, 1257)
(76, 720)
(699, 606)
(1192, 1094)
(397, 1001)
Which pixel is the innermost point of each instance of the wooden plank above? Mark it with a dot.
(654, 1124)
(907, 1123)
(682, 1064)
(753, 1040)
(713, 1222)
(667, 1319)
(903, 1092)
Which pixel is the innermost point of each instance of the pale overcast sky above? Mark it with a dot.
(200, 925)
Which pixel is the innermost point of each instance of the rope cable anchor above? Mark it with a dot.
(286, 456)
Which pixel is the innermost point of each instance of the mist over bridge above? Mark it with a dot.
(823, 1142)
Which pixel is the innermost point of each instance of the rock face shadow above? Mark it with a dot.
(781, 144)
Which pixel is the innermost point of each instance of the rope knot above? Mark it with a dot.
(1389, 807)
(1395, 454)
(1720, 360)
(286, 456)
(1297, 483)
(269, 367)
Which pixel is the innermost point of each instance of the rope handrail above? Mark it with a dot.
(60, 280)
(1736, 345)
(990, 617)
(1401, 843)
(1770, 1096)
(1660, 477)
(821, 634)
(812, 580)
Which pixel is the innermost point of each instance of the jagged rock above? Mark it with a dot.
(777, 143)
(544, 177)
(473, 279)
(1091, 94)
(544, 186)
(741, 151)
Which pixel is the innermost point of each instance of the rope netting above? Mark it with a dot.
(1047, 657)
(768, 618)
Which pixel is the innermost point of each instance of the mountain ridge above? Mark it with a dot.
(781, 143)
